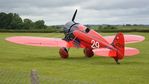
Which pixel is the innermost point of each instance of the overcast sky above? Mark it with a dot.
(55, 12)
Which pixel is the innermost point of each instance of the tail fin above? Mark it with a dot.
(119, 44)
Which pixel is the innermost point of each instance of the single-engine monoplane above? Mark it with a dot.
(80, 36)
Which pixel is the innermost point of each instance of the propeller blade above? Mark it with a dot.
(73, 18)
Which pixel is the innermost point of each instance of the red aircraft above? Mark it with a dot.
(80, 36)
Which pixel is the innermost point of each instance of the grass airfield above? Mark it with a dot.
(16, 62)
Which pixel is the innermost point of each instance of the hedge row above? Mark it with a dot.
(123, 30)
(60, 31)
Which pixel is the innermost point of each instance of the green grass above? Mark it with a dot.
(16, 62)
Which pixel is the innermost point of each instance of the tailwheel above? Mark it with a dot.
(116, 60)
(63, 53)
(88, 52)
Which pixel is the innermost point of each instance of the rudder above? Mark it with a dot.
(119, 44)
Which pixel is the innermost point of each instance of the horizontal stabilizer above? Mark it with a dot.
(111, 53)
(131, 51)
(127, 38)
(104, 52)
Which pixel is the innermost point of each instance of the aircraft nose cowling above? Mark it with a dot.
(67, 26)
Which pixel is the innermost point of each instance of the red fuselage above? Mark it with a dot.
(90, 39)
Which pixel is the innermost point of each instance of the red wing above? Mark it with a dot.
(128, 38)
(39, 41)
(111, 53)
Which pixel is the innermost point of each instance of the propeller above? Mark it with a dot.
(69, 26)
(73, 18)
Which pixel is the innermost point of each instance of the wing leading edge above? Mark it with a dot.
(39, 41)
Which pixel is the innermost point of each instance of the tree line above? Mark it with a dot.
(14, 21)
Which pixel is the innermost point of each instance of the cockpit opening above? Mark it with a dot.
(87, 30)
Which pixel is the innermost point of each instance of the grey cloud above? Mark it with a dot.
(90, 11)
(116, 4)
(37, 3)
